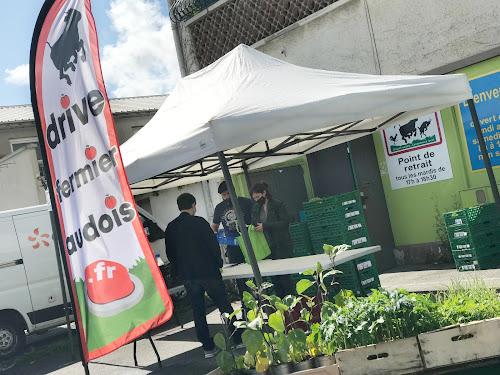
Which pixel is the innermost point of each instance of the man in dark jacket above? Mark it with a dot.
(194, 254)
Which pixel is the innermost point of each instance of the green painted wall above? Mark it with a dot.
(412, 209)
(241, 186)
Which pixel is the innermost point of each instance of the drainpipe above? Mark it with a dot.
(177, 40)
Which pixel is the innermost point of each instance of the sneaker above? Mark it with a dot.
(211, 353)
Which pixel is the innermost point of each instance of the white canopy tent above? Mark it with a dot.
(251, 106)
(248, 109)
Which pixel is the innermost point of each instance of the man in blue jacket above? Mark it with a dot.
(194, 254)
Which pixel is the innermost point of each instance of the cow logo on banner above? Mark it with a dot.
(118, 289)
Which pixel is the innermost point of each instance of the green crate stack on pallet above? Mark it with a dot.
(302, 245)
(340, 220)
(474, 235)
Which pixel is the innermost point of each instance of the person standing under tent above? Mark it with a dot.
(271, 217)
(226, 214)
(194, 253)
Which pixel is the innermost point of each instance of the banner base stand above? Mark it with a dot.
(154, 348)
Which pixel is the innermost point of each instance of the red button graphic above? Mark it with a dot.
(107, 281)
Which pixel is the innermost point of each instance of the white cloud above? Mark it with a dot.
(20, 75)
(143, 60)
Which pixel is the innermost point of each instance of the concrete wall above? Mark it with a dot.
(19, 186)
(390, 36)
(7, 135)
(126, 127)
(385, 36)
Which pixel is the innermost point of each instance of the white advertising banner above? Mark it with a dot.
(416, 152)
(118, 289)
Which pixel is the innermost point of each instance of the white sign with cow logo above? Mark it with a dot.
(416, 152)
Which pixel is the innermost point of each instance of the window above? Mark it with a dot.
(16, 144)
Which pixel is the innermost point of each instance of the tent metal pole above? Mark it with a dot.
(244, 166)
(484, 152)
(240, 218)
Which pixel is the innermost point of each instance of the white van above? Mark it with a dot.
(30, 289)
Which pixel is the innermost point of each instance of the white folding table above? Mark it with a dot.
(269, 267)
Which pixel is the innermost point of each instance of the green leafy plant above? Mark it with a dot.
(384, 316)
(466, 302)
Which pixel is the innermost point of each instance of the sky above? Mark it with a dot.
(135, 42)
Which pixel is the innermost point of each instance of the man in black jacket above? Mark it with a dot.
(194, 253)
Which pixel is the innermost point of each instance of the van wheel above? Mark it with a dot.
(12, 338)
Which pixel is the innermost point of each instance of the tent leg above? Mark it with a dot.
(240, 218)
(484, 152)
(244, 166)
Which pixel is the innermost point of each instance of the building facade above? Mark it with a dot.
(375, 37)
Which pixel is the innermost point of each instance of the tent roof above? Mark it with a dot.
(254, 106)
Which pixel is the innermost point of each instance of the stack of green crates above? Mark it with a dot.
(360, 275)
(322, 217)
(474, 235)
(339, 220)
(302, 245)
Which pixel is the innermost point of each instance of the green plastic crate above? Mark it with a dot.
(473, 253)
(477, 263)
(478, 241)
(478, 215)
(331, 219)
(347, 198)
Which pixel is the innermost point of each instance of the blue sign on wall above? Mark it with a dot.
(486, 91)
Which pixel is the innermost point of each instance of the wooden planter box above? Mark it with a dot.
(395, 357)
(461, 343)
(327, 370)
(446, 347)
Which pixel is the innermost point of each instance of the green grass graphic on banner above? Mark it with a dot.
(415, 143)
(104, 330)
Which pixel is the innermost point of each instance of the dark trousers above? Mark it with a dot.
(216, 290)
(235, 256)
(283, 285)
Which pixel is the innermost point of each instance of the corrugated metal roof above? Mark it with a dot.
(24, 113)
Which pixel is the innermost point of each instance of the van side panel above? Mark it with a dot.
(34, 233)
(14, 293)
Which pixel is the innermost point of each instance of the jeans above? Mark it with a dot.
(216, 290)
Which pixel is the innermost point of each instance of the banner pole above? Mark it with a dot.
(61, 280)
(240, 218)
(484, 152)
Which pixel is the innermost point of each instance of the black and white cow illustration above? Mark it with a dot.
(423, 127)
(64, 52)
(408, 129)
